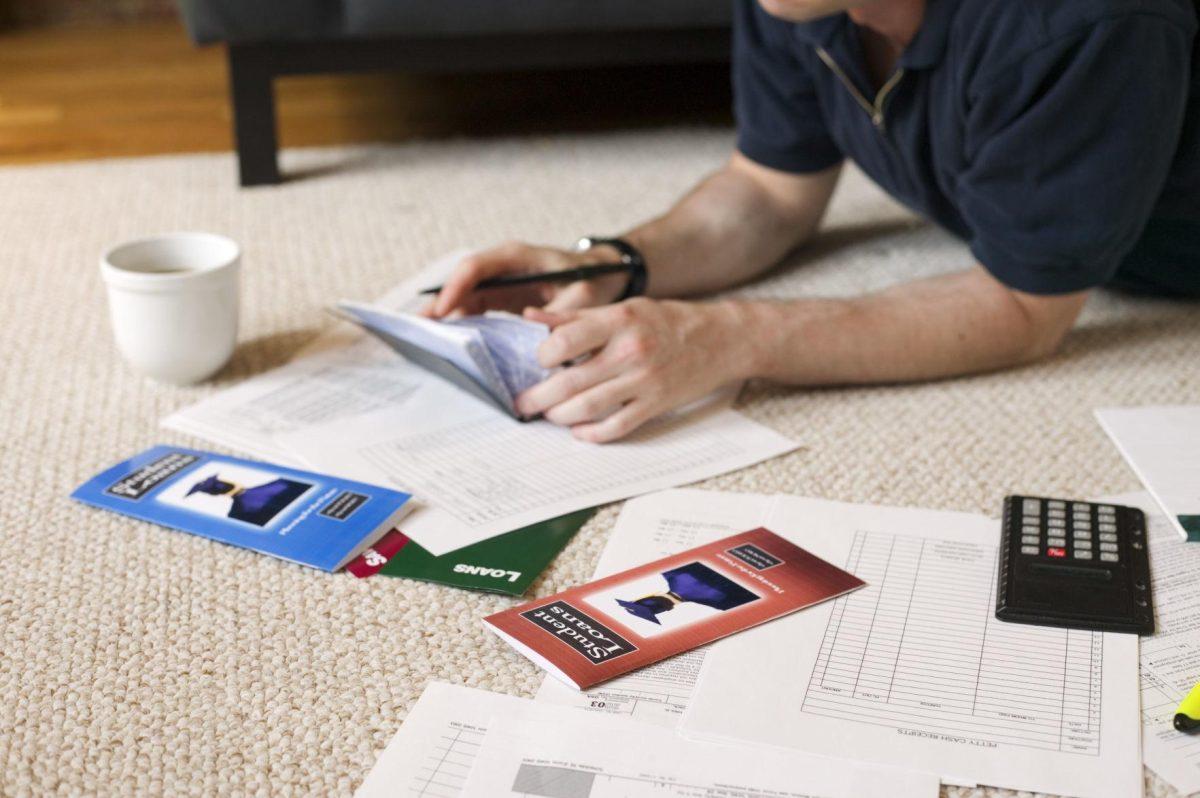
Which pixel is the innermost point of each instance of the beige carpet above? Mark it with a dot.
(137, 661)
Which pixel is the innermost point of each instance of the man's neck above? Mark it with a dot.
(896, 22)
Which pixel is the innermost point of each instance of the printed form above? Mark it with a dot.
(342, 374)
(480, 473)
(581, 757)
(649, 528)
(914, 670)
(442, 739)
(1170, 657)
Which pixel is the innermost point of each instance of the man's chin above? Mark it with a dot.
(802, 10)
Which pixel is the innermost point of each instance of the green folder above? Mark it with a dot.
(506, 564)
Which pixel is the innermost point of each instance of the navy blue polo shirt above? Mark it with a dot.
(1059, 138)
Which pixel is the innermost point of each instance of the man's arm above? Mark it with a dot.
(651, 357)
(731, 227)
(942, 326)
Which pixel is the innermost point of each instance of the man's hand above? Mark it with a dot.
(461, 295)
(646, 357)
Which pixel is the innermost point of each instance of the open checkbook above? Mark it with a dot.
(493, 357)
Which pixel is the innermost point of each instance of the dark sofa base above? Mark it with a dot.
(253, 68)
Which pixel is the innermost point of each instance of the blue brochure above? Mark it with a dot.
(308, 518)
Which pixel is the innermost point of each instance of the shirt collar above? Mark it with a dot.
(924, 51)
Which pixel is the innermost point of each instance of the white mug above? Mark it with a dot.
(173, 300)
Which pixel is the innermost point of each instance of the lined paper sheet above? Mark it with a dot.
(915, 670)
(649, 528)
(573, 756)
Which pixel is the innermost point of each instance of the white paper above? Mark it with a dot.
(914, 670)
(340, 375)
(1170, 658)
(649, 528)
(573, 756)
(481, 473)
(1161, 443)
(432, 753)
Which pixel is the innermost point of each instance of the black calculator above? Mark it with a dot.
(1075, 564)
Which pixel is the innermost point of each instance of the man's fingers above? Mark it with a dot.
(595, 403)
(551, 320)
(617, 425)
(579, 294)
(565, 384)
(511, 258)
(572, 339)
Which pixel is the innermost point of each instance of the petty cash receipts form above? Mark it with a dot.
(915, 670)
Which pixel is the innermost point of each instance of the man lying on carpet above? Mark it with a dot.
(1059, 138)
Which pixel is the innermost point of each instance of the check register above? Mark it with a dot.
(1074, 564)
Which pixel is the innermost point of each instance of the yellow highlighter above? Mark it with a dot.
(1187, 716)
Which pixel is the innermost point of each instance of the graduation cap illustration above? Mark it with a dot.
(694, 582)
(212, 486)
(256, 505)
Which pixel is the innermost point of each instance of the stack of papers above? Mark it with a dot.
(350, 406)
(457, 741)
(912, 672)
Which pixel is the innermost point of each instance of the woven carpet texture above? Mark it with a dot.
(138, 661)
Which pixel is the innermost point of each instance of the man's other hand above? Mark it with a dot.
(461, 294)
(640, 358)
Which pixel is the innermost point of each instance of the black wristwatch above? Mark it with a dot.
(631, 256)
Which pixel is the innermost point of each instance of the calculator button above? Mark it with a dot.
(1108, 556)
(1055, 504)
(1056, 541)
(1056, 552)
(1031, 506)
(1031, 530)
(1107, 527)
(1029, 550)
(1081, 507)
(1083, 544)
(1081, 533)
(1108, 537)
(1030, 540)
(1108, 547)
(1056, 513)
(1083, 554)
(1105, 509)
(1056, 523)
(1081, 523)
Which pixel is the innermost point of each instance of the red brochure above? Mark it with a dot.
(595, 632)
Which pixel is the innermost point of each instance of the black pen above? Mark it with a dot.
(588, 272)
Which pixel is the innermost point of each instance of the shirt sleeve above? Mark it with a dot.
(779, 122)
(1068, 150)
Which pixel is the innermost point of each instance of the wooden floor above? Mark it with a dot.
(144, 89)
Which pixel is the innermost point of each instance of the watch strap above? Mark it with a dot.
(630, 255)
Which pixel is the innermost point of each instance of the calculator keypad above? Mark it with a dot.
(1074, 564)
(1068, 530)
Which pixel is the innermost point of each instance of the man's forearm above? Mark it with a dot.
(730, 228)
(944, 326)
